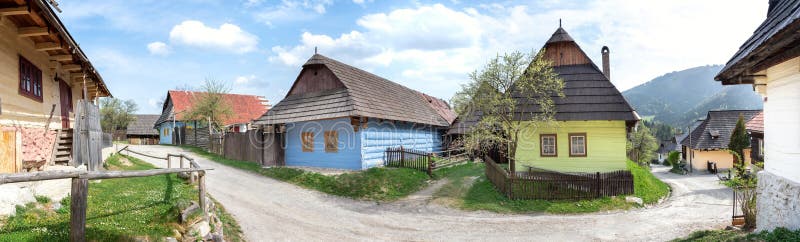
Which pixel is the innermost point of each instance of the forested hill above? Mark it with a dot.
(677, 98)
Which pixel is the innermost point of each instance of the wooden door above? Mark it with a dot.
(65, 93)
(8, 152)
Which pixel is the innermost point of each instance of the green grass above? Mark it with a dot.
(779, 234)
(118, 209)
(481, 195)
(645, 185)
(379, 184)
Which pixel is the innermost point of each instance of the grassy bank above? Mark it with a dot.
(118, 209)
(777, 235)
(380, 184)
(470, 190)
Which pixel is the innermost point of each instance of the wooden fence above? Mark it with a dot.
(552, 185)
(421, 160)
(244, 146)
(216, 143)
(87, 136)
(80, 186)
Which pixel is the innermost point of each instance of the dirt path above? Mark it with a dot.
(271, 210)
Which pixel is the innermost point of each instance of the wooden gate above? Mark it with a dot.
(273, 149)
(87, 136)
(8, 152)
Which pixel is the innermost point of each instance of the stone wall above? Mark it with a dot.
(778, 202)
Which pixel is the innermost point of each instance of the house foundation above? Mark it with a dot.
(778, 202)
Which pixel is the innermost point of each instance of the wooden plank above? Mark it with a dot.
(202, 193)
(45, 46)
(72, 67)
(32, 31)
(77, 209)
(63, 58)
(22, 10)
(8, 152)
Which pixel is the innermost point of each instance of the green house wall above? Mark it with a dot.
(605, 144)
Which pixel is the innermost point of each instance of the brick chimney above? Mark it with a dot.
(606, 62)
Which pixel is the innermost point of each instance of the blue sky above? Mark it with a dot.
(144, 48)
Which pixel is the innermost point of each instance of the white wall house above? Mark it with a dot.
(770, 61)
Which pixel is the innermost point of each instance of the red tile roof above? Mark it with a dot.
(756, 124)
(245, 108)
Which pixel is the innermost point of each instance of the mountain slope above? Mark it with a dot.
(679, 97)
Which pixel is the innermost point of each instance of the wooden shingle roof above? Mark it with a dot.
(715, 132)
(364, 94)
(143, 125)
(756, 125)
(774, 41)
(588, 94)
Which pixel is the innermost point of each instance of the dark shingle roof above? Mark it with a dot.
(776, 34)
(143, 125)
(719, 124)
(365, 94)
(588, 95)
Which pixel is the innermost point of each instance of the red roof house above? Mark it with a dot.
(245, 108)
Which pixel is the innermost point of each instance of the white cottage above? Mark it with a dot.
(770, 61)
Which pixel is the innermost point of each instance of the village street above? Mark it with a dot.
(268, 210)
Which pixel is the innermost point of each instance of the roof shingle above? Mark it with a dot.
(245, 108)
(715, 132)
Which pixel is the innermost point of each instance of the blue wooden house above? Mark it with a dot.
(339, 116)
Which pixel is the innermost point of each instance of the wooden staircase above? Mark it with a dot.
(63, 150)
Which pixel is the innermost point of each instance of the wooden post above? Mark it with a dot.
(77, 209)
(402, 157)
(202, 192)
(597, 185)
(430, 165)
(169, 161)
(181, 161)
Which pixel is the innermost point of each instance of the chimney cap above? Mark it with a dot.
(605, 50)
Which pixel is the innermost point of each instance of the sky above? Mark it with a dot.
(144, 48)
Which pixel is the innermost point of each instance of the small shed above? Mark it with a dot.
(141, 131)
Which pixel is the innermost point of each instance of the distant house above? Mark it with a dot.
(769, 61)
(141, 131)
(44, 75)
(709, 141)
(338, 116)
(593, 117)
(245, 108)
(755, 127)
(666, 146)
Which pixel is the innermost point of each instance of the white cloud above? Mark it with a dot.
(226, 37)
(153, 102)
(158, 48)
(291, 10)
(244, 79)
(434, 47)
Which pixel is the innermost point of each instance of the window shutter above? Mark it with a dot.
(331, 141)
(308, 141)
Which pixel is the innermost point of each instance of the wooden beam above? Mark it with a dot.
(71, 67)
(14, 11)
(32, 31)
(61, 57)
(45, 46)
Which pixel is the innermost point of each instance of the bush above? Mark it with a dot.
(673, 158)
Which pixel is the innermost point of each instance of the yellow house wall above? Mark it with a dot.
(18, 110)
(605, 144)
(723, 159)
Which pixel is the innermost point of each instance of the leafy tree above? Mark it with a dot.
(660, 130)
(642, 145)
(116, 114)
(209, 103)
(740, 140)
(673, 159)
(493, 93)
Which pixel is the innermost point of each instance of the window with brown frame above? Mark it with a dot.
(577, 145)
(307, 139)
(331, 141)
(548, 145)
(30, 80)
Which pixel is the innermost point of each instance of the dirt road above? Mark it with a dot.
(271, 210)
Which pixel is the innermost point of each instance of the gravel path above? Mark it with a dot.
(270, 210)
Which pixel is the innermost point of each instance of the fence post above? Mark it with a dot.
(202, 192)
(77, 209)
(430, 165)
(169, 161)
(181, 161)
(597, 184)
(402, 157)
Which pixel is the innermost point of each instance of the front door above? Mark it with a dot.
(65, 93)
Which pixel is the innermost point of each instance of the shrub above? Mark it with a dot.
(673, 158)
